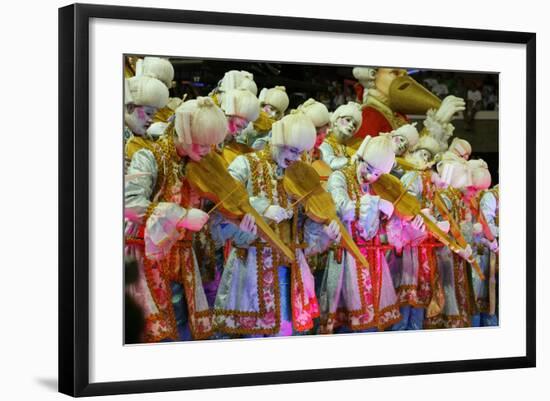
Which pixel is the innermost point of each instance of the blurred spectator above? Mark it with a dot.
(473, 105)
(430, 82)
(440, 88)
(489, 97)
(460, 89)
(339, 98)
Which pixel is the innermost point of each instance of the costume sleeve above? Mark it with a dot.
(327, 155)
(240, 170)
(369, 216)
(412, 181)
(338, 188)
(315, 237)
(161, 227)
(161, 231)
(488, 206)
(139, 183)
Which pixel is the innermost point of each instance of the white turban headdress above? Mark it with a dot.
(241, 103)
(276, 97)
(200, 121)
(294, 130)
(156, 67)
(316, 111)
(145, 91)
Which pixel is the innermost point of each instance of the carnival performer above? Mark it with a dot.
(318, 113)
(355, 296)
(142, 98)
(385, 104)
(162, 212)
(455, 310)
(455, 158)
(413, 264)
(240, 107)
(404, 140)
(344, 123)
(273, 103)
(234, 79)
(161, 69)
(480, 230)
(260, 294)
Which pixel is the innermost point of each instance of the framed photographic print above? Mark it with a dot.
(252, 199)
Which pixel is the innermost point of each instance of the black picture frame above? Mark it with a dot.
(74, 198)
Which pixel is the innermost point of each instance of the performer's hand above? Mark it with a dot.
(418, 223)
(385, 207)
(449, 106)
(277, 213)
(194, 220)
(444, 226)
(248, 224)
(466, 253)
(332, 230)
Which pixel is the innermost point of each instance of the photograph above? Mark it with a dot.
(273, 199)
(291, 199)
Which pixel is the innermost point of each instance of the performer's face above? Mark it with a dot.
(400, 144)
(384, 78)
(195, 151)
(366, 173)
(420, 157)
(321, 135)
(272, 111)
(236, 124)
(344, 127)
(284, 155)
(139, 118)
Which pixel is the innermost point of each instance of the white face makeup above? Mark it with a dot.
(236, 124)
(139, 118)
(284, 156)
(400, 144)
(195, 151)
(366, 173)
(344, 127)
(420, 157)
(271, 111)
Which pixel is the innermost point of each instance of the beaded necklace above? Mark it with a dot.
(171, 167)
(338, 148)
(354, 191)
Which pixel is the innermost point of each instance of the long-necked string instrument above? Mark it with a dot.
(233, 149)
(211, 179)
(324, 171)
(455, 228)
(390, 188)
(302, 182)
